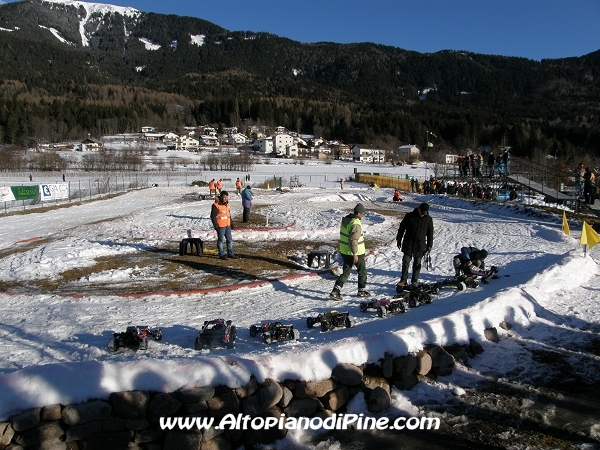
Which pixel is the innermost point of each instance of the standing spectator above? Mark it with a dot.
(579, 173)
(490, 163)
(500, 165)
(30, 177)
(352, 248)
(413, 183)
(341, 183)
(219, 186)
(478, 162)
(506, 161)
(220, 215)
(238, 186)
(246, 203)
(588, 184)
(414, 238)
(212, 187)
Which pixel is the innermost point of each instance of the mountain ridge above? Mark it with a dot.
(270, 78)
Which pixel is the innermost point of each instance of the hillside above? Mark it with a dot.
(73, 68)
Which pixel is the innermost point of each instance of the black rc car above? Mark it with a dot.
(216, 333)
(330, 320)
(470, 281)
(134, 337)
(384, 306)
(275, 332)
(425, 288)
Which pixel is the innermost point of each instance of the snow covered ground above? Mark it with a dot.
(54, 346)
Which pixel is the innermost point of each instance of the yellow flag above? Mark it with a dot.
(565, 224)
(589, 236)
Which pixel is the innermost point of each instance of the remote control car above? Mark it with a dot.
(330, 320)
(276, 332)
(427, 288)
(216, 333)
(263, 328)
(385, 305)
(134, 336)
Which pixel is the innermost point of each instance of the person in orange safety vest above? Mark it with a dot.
(220, 216)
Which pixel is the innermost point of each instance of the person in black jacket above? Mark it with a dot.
(414, 238)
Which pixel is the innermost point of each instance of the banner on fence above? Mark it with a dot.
(58, 191)
(6, 194)
(25, 192)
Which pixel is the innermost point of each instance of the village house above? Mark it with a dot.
(366, 154)
(91, 145)
(185, 142)
(407, 153)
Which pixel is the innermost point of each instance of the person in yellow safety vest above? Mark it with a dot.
(212, 186)
(352, 248)
(220, 215)
(238, 186)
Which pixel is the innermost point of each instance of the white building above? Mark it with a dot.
(409, 152)
(91, 145)
(264, 145)
(236, 139)
(185, 142)
(209, 140)
(284, 145)
(362, 153)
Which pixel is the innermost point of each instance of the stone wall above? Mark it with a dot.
(130, 420)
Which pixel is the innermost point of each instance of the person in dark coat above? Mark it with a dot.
(414, 238)
(468, 258)
(246, 203)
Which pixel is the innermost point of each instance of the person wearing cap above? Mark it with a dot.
(220, 217)
(352, 248)
(468, 258)
(246, 203)
(414, 238)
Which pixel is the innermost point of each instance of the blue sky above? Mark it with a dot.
(534, 29)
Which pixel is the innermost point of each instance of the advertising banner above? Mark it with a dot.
(25, 192)
(57, 191)
(6, 194)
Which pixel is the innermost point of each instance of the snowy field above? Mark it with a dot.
(54, 346)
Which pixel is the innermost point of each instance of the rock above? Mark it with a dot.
(406, 383)
(337, 398)
(404, 366)
(264, 436)
(223, 404)
(162, 405)
(379, 400)
(301, 407)
(84, 430)
(286, 397)
(459, 353)
(246, 391)
(440, 357)
(6, 433)
(103, 441)
(147, 436)
(136, 424)
(49, 431)
(130, 404)
(27, 419)
(314, 388)
(85, 412)
(475, 347)
(217, 443)
(388, 366)
(113, 424)
(196, 394)
(179, 440)
(211, 433)
(371, 382)
(424, 363)
(51, 412)
(505, 325)
(491, 334)
(193, 408)
(54, 445)
(267, 396)
(347, 374)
